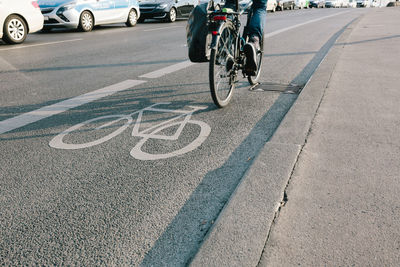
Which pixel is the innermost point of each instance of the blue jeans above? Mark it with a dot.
(257, 21)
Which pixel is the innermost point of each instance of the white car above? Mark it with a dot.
(18, 18)
(271, 5)
(353, 3)
(300, 4)
(85, 14)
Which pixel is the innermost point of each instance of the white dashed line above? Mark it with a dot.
(268, 35)
(161, 72)
(34, 45)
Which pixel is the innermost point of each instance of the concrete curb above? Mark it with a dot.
(239, 234)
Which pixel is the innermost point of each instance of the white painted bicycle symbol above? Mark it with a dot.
(154, 132)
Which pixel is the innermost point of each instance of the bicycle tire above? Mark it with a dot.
(222, 73)
(57, 141)
(137, 152)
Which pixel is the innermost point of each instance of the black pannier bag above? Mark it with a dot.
(197, 34)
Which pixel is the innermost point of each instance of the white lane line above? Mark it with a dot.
(268, 35)
(163, 28)
(50, 43)
(167, 70)
(45, 112)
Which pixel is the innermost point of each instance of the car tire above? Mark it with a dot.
(132, 18)
(140, 20)
(171, 16)
(86, 21)
(14, 30)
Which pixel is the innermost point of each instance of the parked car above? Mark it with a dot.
(333, 3)
(245, 4)
(352, 3)
(317, 3)
(218, 4)
(271, 5)
(285, 4)
(168, 10)
(18, 18)
(301, 4)
(85, 14)
(363, 3)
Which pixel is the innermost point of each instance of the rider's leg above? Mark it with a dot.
(255, 31)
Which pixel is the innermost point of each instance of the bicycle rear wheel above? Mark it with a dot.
(222, 72)
(254, 79)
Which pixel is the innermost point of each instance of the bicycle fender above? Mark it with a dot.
(215, 36)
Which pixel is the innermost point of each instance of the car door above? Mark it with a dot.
(121, 10)
(180, 7)
(103, 10)
(189, 6)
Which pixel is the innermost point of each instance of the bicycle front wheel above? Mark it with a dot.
(222, 71)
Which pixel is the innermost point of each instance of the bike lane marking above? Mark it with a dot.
(167, 70)
(152, 132)
(269, 35)
(48, 111)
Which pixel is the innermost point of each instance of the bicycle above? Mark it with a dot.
(149, 133)
(227, 57)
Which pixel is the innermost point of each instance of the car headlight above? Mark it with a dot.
(163, 5)
(66, 7)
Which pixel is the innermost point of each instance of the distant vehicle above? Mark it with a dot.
(317, 3)
(352, 3)
(18, 18)
(363, 3)
(85, 14)
(301, 4)
(245, 3)
(271, 5)
(168, 10)
(333, 3)
(285, 4)
(345, 3)
(218, 4)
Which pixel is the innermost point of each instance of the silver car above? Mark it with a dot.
(84, 14)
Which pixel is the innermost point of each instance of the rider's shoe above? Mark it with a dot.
(250, 50)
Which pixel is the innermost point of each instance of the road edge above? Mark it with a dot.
(242, 228)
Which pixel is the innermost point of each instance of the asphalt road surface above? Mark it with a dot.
(87, 179)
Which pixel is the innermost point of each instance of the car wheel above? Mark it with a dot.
(132, 18)
(140, 20)
(15, 30)
(171, 17)
(86, 21)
